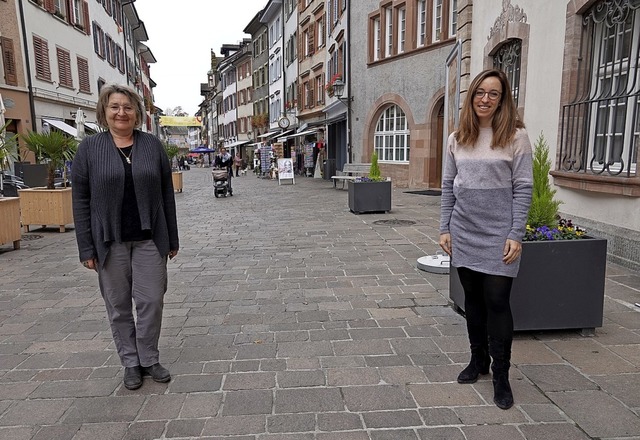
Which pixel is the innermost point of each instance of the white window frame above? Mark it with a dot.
(376, 39)
(453, 18)
(388, 25)
(437, 20)
(402, 29)
(392, 136)
(422, 23)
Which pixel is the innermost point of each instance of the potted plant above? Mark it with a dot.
(50, 205)
(562, 269)
(172, 151)
(9, 206)
(371, 193)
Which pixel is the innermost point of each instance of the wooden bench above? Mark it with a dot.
(350, 171)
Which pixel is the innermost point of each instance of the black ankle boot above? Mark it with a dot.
(478, 365)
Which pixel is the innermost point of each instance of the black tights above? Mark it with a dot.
(487, 308)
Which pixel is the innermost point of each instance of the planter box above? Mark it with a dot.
(560, 285)
(10, 221)
(176, 178)
(43, 207)
(369, 196)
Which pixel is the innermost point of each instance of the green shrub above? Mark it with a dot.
(544, 207)
(374, 170)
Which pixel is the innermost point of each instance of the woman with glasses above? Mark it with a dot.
(125, 222)
(486, 192)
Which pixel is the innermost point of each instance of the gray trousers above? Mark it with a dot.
(134, 271)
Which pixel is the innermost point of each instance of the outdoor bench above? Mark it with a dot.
(350, 171)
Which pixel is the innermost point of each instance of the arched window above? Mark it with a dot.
(508, 60)
(391, 138)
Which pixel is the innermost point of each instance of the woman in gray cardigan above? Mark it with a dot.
(125, 222)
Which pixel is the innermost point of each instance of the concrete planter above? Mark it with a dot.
(176, 178)
(42, 206)
(369, 196)
(560, 285)
(10, 221)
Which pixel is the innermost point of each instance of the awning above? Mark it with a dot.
(93, 126)
(268, 134)
(281, 136)
(302, 133)
(235, 144)
(60, 125)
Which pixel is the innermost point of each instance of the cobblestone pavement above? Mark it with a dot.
(288, 317)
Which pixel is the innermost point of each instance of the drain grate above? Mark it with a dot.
(394, 222)
(31, 237)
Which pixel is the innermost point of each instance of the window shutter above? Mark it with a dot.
(85, 18)
(83, 75)
(311, 31)
(70, 11)
(41, 54)
(64, 67)
(300, 98)
(301, 45)
(50, 6)
(9, 61)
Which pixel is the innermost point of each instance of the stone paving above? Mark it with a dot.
(288, 317)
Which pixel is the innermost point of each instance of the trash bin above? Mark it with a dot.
(329, 168)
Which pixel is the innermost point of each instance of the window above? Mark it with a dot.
(601, 124)
(453, 17)
(402, 28)
(83, 75)
(9, 61)
(320, 31)
(376, 39)
(391, 138)
(388, 27)
(437, 20)
(320, 89)
(64, 67)
(507, 59)
(41, 54)
(422, 22)
(58, 8)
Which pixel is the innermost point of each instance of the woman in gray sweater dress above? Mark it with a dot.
(486, 192)
(125, 220)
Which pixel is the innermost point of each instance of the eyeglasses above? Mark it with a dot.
(493, 94)
(125, 108)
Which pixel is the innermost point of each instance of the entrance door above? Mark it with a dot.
(436, 146)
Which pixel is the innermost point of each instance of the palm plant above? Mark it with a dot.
(52, 148)
(172, 151)
(8, 147)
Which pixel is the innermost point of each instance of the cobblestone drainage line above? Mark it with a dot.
(394, 222)
(30, 237)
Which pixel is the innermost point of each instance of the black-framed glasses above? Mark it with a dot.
(493, 94)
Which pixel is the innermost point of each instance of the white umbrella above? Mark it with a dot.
(80, 124)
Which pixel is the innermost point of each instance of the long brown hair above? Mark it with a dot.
(505, 120)
(103, 101)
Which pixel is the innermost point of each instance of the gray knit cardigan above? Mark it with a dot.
(98, 190)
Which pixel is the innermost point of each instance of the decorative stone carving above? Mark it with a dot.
(510, 13)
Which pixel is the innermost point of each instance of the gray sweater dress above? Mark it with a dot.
(486, 195)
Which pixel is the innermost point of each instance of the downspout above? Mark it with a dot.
(348, 78)
(25, 42)
(284, 69)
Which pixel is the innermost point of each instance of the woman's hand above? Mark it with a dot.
(445, 243)
(90, 264)
(512, 250)
(172, 254)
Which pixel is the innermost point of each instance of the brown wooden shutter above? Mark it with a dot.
(301, 46)
(85, 18)
(64, 67)
(41, 54)
(50, 6)
(312, 34)
(9, 61)
(300, 98)
(70, 12)
(83, 76)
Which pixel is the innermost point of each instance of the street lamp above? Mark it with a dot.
(338, 91)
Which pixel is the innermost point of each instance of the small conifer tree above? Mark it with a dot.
(544, 208)
(374, 170)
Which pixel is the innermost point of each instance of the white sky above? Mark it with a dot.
(181, 36)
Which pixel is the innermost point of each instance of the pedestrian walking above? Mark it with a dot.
(125, 221)
(486, 192)
(237, 164)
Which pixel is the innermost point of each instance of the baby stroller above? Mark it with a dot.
(221, 185)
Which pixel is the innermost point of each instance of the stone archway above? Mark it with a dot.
(433, 175)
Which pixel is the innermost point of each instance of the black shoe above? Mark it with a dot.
(132, 378)
(158, 373)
